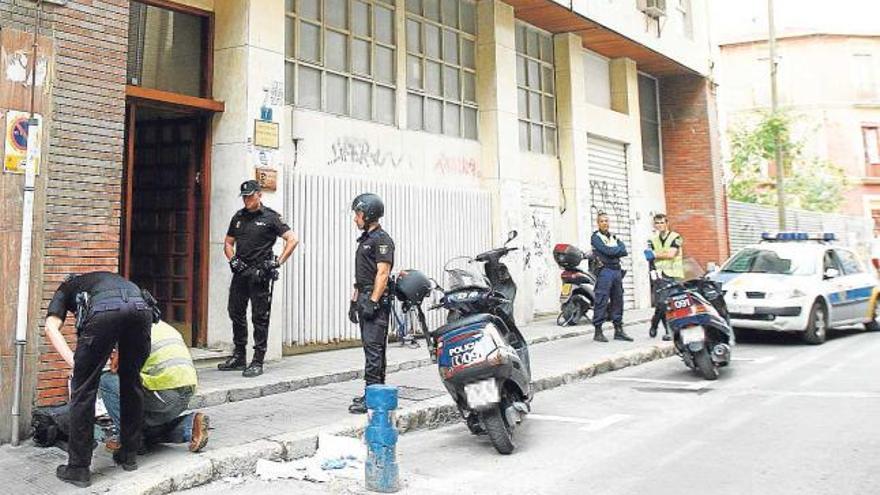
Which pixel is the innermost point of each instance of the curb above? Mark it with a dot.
(434, 413)
(218, 397)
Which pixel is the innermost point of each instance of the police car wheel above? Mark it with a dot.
(817, 326)
(874, 324)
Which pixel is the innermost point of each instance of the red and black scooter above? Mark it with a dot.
(576, 296)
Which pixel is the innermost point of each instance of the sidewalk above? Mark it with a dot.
(322, 368)
(285, 424)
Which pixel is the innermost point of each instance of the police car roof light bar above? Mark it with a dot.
(798, 236)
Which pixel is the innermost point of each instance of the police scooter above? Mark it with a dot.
(482, 357)
(697, 318)
(576, 296)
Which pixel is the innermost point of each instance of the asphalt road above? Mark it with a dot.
(785, 418)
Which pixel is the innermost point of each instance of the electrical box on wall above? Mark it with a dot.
(653, 8)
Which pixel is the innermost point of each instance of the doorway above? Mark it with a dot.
(165, 211)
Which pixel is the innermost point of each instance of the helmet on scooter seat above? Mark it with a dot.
(412, 286)
(371, 205)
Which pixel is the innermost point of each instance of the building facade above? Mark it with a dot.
(470, 118)
(828, 66)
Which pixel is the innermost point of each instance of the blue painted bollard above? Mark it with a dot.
(381, 469)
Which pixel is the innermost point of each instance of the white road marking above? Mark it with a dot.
(820, 395)
(589, 424)
(762, 360)
(675, 383)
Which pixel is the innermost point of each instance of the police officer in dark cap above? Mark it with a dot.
(248, 247)
(370, 306)
(110, 311)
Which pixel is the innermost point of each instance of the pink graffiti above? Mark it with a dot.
(456, 165)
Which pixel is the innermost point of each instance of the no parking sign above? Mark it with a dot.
(16, 142)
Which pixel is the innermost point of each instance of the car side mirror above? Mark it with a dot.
(511, 236)
(831, 273)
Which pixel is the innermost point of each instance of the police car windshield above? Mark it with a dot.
(781, 260)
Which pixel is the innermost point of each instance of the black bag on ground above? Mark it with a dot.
(50, 425)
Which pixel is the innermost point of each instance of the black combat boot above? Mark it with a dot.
(619, 334)
(598, 336)
(128, 461)
(358, 405)
(80, 477)
(255, 369)
(236, 362)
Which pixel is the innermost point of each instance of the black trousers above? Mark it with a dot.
(126, 323)
(374, 337)
(248, 286)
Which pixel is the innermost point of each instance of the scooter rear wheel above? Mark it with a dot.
(705, 365)
(499, 432)
(569, 315)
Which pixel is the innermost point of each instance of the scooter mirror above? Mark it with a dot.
(711, 266)
(511, 236)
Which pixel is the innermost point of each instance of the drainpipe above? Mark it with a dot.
(27, 228)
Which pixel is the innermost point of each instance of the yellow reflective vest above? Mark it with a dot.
(671, 268)
(169, 364)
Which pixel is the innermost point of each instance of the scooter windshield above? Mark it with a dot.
(465, 272)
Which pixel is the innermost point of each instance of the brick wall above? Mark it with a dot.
(84, 162)
(692, 172)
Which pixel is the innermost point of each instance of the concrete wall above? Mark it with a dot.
(626, 19)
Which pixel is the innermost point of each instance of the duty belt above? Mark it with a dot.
(121, 293)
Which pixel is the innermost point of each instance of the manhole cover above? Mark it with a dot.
(416, 393)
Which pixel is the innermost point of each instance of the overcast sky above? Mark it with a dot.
(739, 20)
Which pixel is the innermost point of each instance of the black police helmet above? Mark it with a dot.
(371, 205)
(412, 286)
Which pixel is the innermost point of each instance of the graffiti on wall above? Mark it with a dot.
(609, 197)
(539, 257)
(460, 165)
(356, 151)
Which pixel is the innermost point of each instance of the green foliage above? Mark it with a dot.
(810, 183)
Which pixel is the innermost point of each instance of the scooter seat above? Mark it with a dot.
(468, 321)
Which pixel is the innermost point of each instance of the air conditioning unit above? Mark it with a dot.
(653, 8)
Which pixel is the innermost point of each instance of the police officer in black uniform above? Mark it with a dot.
(110, 311)
(607, 251)
(249, 240)
(370, 306)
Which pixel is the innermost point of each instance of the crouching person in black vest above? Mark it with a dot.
(110, 311)
(370, 306)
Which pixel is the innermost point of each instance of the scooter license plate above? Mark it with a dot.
(566, 290)
(692, 334)
(482, 393)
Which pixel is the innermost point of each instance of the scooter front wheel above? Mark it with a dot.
(569, 315)
(498, 430)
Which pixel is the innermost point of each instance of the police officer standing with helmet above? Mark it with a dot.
(248, 247)
(370, 306)
(608, 250)
(110, 311)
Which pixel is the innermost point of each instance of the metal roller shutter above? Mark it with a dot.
(318, 283)
(609, 192)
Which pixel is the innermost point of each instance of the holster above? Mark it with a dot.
(83, 306)
(153, 304)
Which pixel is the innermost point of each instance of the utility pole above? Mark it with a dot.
(780, 169)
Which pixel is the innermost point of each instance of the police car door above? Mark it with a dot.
(833, 287)
(859, 285)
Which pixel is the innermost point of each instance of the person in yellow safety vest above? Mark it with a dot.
(169, 380)
(669, 260)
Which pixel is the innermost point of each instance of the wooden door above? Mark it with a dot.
(163, 218)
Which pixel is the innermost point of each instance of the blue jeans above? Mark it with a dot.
(163, 422)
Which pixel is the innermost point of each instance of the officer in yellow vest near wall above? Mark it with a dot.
(669, 260)
(169, 380)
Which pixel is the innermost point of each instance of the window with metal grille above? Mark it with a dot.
(649, 115)
(341, 57)
(441, 76)
(536, 90)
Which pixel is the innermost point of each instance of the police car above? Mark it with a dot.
(799, 282)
